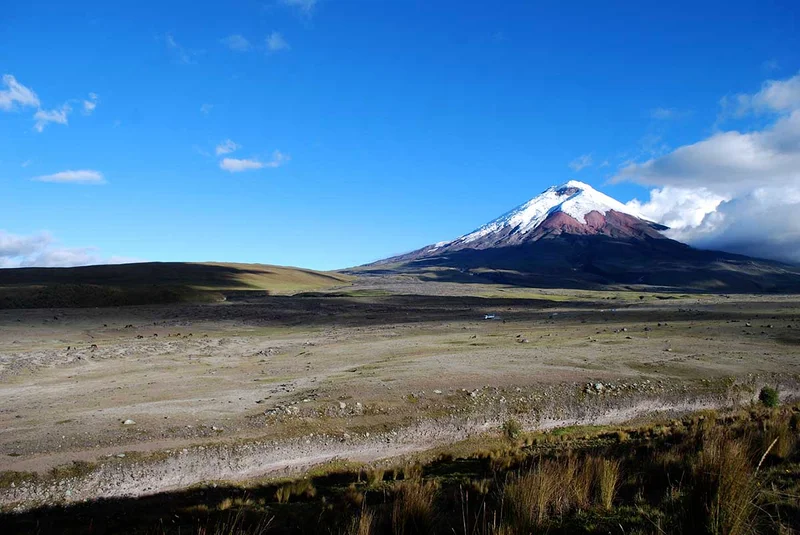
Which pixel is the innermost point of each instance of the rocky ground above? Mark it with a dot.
(108, 402)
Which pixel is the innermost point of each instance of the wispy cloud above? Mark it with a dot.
(668, 114)
(82, 176)
(26, 163)
(237, 43)
(775, 96)
(235, 165)
(278, 159)
(206, 108)
(581, 162)
(226, 147)
(305, 6)
(181, 54)
(662, 113)
(15, 94)
(276, 42)
(90, 104)
(771, 65)
(58, 116)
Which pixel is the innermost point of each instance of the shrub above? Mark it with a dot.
(769, 397)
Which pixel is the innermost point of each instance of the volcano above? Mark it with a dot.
(574, 236)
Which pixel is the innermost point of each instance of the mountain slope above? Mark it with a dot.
(574, 236)
(151, 282)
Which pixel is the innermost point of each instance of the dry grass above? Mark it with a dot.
(301, 488)
(725, 485)
(375, 477)
(607, 477)
(413, 511)
(363, 524)
(729, 474)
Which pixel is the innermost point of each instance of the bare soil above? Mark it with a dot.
(268, 384)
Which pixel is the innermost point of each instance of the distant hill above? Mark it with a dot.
(573, 236)
(152, 283)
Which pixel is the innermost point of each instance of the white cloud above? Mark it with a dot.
(681, 209)
(278, 159)
(235, 165)
(13, 246)
(205, 109)
(42, 250)
(15, 94)
(237, 43)
(26, 163)
(305, 6)
(58, 116)
(226, 147)
(734, 191)
(774, 96)
(728, 161)
(90, 104)
(83, 176)
(581, 162)
(276, 42)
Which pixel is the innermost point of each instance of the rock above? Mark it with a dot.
(342, 405)
(121, 455)
(599, 387)
(128, 422)
(437, 391)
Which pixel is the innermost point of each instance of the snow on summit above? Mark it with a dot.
(573, 198)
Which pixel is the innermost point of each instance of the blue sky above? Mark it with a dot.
(359, 128)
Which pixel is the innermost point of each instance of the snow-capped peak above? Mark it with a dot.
(573, 198)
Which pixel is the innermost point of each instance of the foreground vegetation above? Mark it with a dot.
(709, 473)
